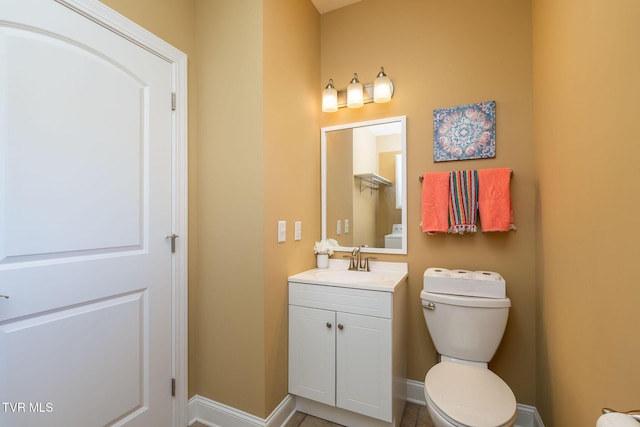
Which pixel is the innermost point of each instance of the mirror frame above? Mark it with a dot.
(323, 180)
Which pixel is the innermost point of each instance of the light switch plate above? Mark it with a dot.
(339, 227)
(282, 231)
(346, 226)
(297, 230)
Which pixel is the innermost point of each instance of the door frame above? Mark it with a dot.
(122, 26)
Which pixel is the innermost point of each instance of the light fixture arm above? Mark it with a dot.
(367, 96)
(330, 85)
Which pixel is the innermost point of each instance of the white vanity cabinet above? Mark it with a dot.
(346, 352)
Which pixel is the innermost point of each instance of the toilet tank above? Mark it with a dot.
(468, 326)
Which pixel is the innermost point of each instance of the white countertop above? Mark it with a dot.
(384, 276)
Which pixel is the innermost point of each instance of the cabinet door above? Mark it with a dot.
(312, 352)
(364, 371)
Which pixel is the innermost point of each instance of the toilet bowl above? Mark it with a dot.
(466, 314)
(461, 395)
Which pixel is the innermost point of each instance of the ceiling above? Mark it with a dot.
(325, 6)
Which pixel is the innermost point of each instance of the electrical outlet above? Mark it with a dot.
(282, 231)
(297, 230)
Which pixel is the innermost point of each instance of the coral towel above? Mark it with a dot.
(463, 201)
(494, 200)
(435, 202)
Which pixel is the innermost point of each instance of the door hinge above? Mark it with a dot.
(173, 238)
(173, 101)
(173, 387)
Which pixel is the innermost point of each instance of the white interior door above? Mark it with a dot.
(85, 206)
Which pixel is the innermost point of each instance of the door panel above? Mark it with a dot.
(312, 351)
(43, 171)
(77, 343)
(364, 381)
(85, 206)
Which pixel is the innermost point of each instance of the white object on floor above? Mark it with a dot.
(616, 419)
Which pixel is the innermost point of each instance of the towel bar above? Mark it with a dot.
(421, 177)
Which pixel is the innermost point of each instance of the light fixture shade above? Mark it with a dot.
(382, 88)
(329, 98)
(355, 96)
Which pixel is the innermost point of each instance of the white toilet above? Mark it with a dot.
(466, 314)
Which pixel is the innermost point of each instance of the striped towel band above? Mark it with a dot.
(463, 201)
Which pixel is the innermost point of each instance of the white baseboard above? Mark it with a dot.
(214, 414)
(528, 416)
(415, 392)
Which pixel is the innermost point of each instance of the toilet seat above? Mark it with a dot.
(469, 396)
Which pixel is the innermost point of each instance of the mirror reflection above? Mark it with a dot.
(363, 191)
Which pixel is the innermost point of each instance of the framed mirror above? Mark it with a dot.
(364, 197)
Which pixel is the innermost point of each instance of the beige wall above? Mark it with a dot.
(292, 168)
(586, 91)
(255, 78)
(443, 54)
(228, 280)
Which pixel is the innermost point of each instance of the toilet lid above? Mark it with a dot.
(470, 395)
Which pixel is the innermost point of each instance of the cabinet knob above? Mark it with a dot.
(340, 326)
(329, 325)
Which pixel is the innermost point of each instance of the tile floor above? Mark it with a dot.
(414, 416)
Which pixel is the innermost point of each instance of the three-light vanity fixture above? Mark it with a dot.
(356, 95)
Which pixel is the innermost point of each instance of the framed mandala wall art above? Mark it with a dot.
(464, 132)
